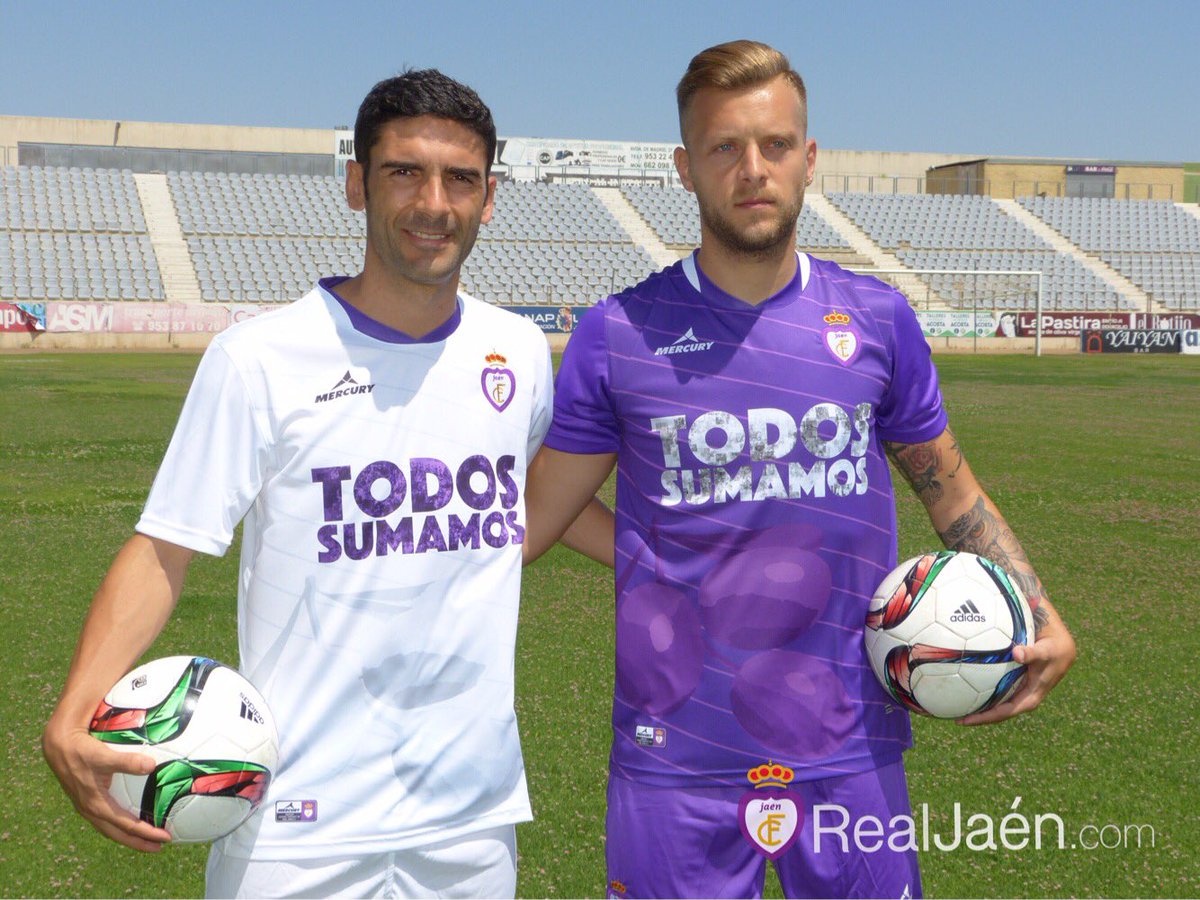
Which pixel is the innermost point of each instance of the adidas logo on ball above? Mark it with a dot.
(248, 711)
(968, 612)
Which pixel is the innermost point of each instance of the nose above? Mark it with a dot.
(431, 198)
(753, 165)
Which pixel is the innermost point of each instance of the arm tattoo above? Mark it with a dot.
(919, 463)
(981, 532)
(957, 451)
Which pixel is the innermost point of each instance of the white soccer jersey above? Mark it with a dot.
(381, 481)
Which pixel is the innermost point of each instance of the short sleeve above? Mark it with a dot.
(584, 418)
(214, 466)
(911, 411)
(543, 403)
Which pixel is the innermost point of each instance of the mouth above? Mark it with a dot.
(428, 238)
(755, 203)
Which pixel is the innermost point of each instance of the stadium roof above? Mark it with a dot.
(1054, 161)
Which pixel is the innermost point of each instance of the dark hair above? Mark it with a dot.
(421, 92)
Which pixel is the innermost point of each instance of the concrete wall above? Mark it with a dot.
(105, 133)
(1191, 183)
(876, 170)
(1149, 183)
(963, 178)
(1006, 179)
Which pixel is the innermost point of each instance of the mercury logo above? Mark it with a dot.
(687, 343)
(968, 612)
(344, 388)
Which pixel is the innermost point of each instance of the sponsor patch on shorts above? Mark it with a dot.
(296, 811)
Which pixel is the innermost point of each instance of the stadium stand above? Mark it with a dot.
(1153, 243)
(264, 238)
(82, 234)
(74, 234)
(284, 206)
(672, 213)
(965, 233)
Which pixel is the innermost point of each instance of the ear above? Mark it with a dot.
(810, 150)
(356, 188)
(489, 201)
(681, 166)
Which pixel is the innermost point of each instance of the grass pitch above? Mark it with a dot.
(1094, 460)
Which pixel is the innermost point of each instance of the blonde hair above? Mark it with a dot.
(734, 65)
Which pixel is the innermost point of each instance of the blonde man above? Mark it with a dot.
(750, 396)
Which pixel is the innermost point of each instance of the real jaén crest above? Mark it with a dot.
(770, 815)
(499, 383)
(841, 338)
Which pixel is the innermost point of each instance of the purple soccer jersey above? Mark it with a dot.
(755, 514)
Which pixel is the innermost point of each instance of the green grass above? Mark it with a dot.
(1094, 460)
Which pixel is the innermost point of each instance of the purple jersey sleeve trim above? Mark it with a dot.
(584, 419)
(364, 324)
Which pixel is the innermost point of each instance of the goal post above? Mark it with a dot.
(986, 295)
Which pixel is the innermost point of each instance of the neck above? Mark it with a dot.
(400, 303)
(751, 277)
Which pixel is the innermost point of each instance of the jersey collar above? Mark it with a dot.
(364, 324)
(703, 286)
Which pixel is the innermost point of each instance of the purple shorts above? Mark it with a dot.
(697, 842)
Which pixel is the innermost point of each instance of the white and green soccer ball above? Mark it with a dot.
(211, 735)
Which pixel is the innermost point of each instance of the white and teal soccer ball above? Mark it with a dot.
(211, 734)
(940, 634)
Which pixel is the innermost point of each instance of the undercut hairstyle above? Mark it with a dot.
(421, 92)
(732, 66)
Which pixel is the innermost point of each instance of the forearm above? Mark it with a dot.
(593, 533)
(967, 520)
(130, 608)
(559, 487)
(963, 515)
(982, 530)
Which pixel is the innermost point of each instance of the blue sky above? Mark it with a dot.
(1105, 80)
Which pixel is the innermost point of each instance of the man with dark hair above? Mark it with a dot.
(750, 396)
(374, 436)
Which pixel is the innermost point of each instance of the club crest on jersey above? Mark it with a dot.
(840, 337)
(769, 814)
(499, 383)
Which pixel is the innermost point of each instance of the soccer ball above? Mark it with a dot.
(210, 733)
(940, 634)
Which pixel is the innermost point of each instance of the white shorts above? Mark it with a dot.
(482, 864)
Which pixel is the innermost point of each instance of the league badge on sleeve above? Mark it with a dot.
(769, 814)
(840, 337)
(499, 382)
